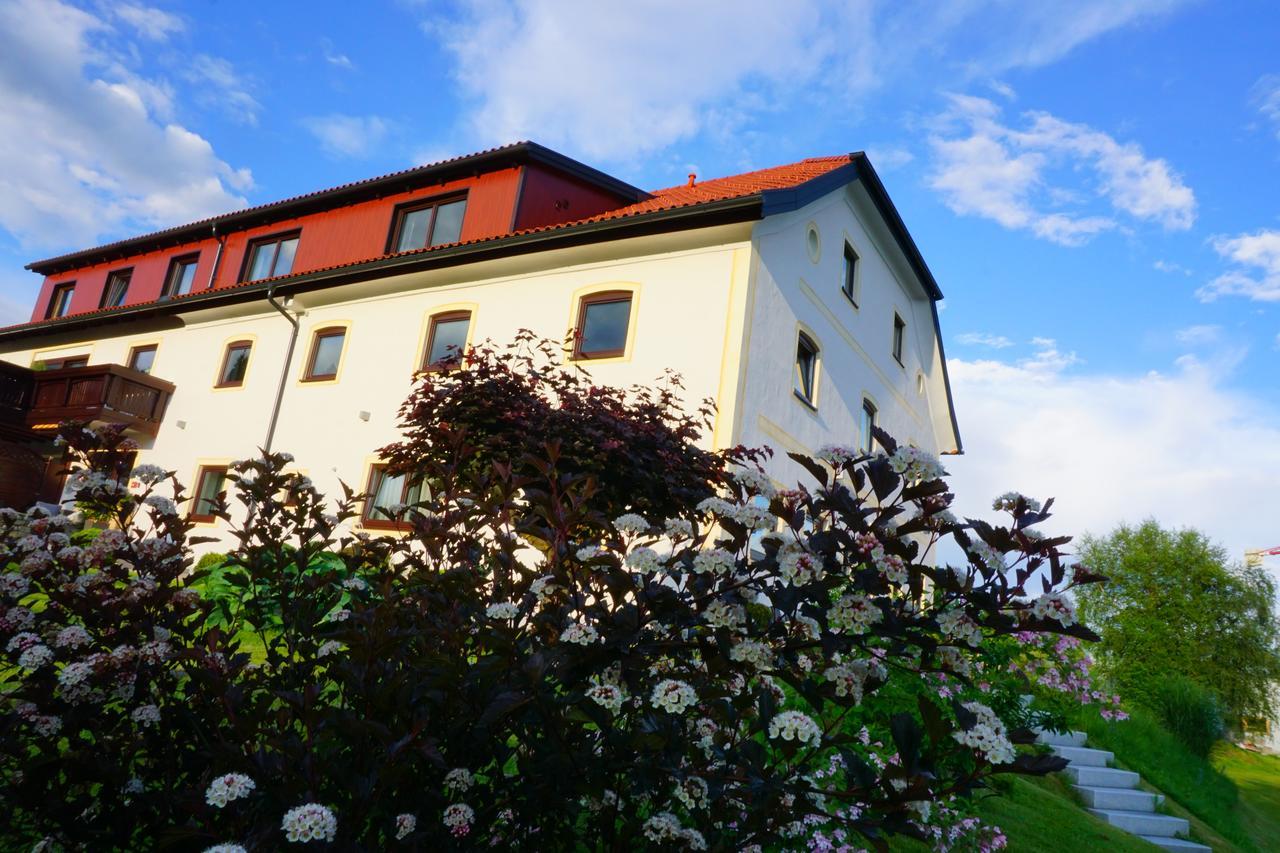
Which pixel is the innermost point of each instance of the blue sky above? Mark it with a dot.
(1094, 184)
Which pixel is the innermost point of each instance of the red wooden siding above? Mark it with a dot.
(149, 271)
(548, 197)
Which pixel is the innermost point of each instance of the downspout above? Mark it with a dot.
(284, 370)
(217, 258)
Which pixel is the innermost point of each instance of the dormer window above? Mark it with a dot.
(271, 257)
(117, 288)
(60, 300)
(182, 276)
(422, 224)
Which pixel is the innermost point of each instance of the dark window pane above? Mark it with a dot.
(142, 359)
(117, 288)
(868, 421)
(284, 259)
(236, 363)
(260, 263)
(806, 367)
(850, 271)
(327, 355)
(604, 326)
(210, 487)
(413, 229)
(448, 227)
(448, 338)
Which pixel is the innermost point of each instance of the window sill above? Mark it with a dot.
(805, 401)
(849, 297)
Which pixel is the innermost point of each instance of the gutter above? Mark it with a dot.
(284, 368)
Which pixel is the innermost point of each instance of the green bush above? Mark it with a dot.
(1191, 712)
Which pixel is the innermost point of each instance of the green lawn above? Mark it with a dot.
(1257, 777)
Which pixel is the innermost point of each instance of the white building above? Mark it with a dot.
(792, 296)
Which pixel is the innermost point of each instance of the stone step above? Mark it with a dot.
(1102, 777)
(1180, 844)
(1060, 738)
(1144, 823)
(1128, 799)
(1084, 755)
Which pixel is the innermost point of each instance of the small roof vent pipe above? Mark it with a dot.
(693, 179)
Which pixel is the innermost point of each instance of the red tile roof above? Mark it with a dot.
(683, 196)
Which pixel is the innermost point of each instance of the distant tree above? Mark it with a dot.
(1176, 605)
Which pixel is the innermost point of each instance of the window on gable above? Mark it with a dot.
(868, 423)
(447, 339)
(422, 224)
(603, 322)
(182, 276)
(210, 482)
(850, 282)
(806, 369)
(60, 300)
(141, 358)
(326, 354)
(386, 494)
(899, 336)
(235, 363)
(270, 257)
(117, 288)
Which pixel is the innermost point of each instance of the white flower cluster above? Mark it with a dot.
(1009, 501)
(755, 482)
(678, 528)
(459, 779)
(1054, 605)
(311, 822)
(609, 696)
(580, 633)
(693, 793)
(543, 587)
(666, 827)
(748, 515)
(328, 647)
(35, 657)
(754, 652)
(225, 848)
(957, 625)
(853, 614)
(631, 523)
(589, 552)
(716, 561)
(355, 584)
(851, 677)
(459, 817)
(987, 556)
(161, 504)
(148, 474)
(14, 585)
(405, 824)
(224, 789)
(673, 696)
(797, 726)
(644, 560)
(837, 455)
(146, 715)
(914, 464)
(798, 567)
(722, 614)
(73, 679)
(890, 565)
(988, 736)
(502, 610)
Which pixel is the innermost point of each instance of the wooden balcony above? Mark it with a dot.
(109, 393)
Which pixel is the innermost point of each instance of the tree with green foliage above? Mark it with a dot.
(1176, 606)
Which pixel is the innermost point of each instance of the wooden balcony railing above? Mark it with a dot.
(16, 385)
(98, 392)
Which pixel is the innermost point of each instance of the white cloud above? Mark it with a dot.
(985, 167)
(1256, 274)
(1180, 446)
(347, 136)
(86, 150)
(221, 86)
(889, 157)
(152, 23)
(618, 80)
(984, 340)
(1199, 335)
(1170, 267)
(1265, 96)
(334, 57)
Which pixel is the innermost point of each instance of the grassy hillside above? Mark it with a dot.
(1257, 778)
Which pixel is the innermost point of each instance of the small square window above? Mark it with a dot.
(447, 339)
(806, 368)
(270, 257)
(142, 358)
(850, 282)
(603, 322)
(182, 276)
(419, 225)
(326, 354)
(210, 482)
(899, 335)
(60, 300)
(235, 363)
(113, 295)
(865, 440)
(387, 492)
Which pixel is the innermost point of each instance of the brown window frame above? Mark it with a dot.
(449, 361)
(316, 336)
(168, 291)
(112, 277)
(383, 523)
(601, 298)
(899, 337)
(63, 363)
(850, 284)
(808, 395)
(201, 474)
(226, 359)
(141, 348)
(256, 242)
(400, 211)
(67, 287)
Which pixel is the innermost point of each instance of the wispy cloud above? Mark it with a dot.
(1170, 267)
(224, 88)
(150, 22)
(1199, 335)
(346, 135)
(334, 57)
(983, 166)
(1265, 97)
(1255, 273)
(984, 340)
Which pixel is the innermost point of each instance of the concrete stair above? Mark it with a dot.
(1113, 794)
